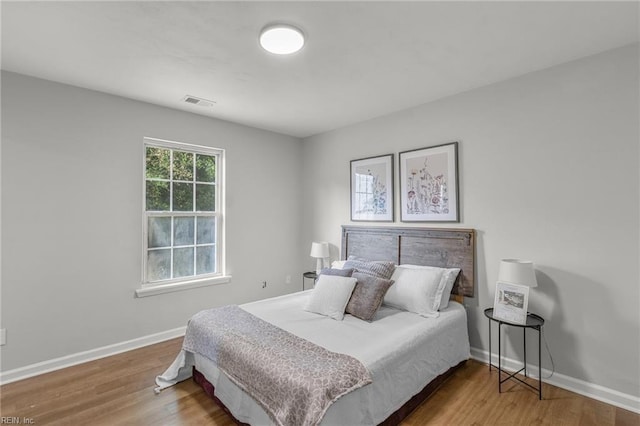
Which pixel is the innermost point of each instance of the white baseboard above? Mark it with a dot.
(601, 393)
(90, 355)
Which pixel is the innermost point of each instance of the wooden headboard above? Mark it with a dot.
(445, 248)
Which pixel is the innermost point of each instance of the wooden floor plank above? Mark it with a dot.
(118, 390)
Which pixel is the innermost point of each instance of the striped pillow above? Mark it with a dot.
(338, 272)
(376, 268)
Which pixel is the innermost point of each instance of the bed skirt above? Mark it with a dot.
(394, 419)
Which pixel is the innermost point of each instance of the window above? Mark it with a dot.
(364, 193)
(182, 213)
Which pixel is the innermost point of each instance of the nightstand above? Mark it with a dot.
(534, 322)
(311, 275)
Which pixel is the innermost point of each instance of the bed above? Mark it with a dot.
(407, 355)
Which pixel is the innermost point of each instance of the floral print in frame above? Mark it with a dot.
(372, 189)
(429, 184)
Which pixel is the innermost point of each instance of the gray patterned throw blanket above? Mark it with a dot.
(294, 380)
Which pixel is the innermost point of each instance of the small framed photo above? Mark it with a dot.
(511, 302)
(429, 184)
(372, 189)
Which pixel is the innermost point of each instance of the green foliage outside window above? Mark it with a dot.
(158, 196)
(180, 191)
(205, 168)
(182, 165)
(163, 171)
(158, 163)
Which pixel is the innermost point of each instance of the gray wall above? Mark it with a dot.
(548, 172)
(71, 211)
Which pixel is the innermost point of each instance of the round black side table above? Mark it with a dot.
(534, 322)
(312, 275)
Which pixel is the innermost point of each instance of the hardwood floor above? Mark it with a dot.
(118, 390)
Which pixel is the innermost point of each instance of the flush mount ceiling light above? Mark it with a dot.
(281, 39)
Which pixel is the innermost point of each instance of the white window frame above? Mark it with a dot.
(150, 288)
(363, 181)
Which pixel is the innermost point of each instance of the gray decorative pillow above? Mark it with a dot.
(367, 296)
(337, 272)
(377, 268)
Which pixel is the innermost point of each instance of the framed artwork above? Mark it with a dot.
(511, 302)
(429, 184)
(372, 189)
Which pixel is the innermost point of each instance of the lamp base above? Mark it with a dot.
(319, 265)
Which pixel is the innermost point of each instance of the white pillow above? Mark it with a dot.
(445, 286)
(338, 264)
(416, 289)
(448, 279)
(330, 296)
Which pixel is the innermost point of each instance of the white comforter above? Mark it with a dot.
(403, 351)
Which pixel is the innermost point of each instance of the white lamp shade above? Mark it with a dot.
(319, 250)
(515, 271)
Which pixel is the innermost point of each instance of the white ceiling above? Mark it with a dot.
(361, 60)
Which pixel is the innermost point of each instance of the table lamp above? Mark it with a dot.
(320, 251)
(516, 271)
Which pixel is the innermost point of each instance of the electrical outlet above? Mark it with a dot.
(287, 279)
(3, 336)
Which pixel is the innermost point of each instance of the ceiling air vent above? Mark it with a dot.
(198, 101)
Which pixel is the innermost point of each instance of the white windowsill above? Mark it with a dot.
(186, 285)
